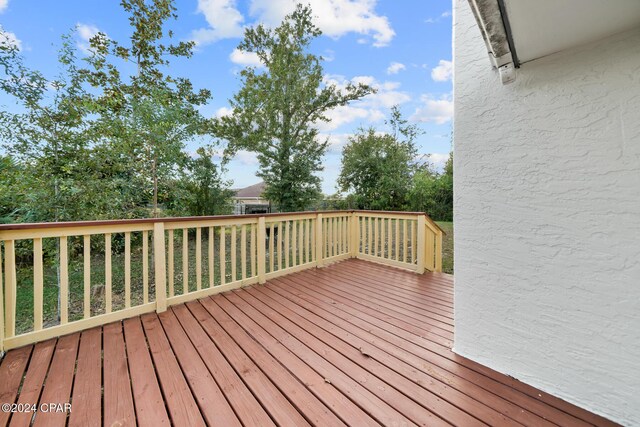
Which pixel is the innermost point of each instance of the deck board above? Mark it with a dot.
(210, 399)
(149, 403)
(12, 371)
(118, 400)
(354, 343)
(182, 406)
(248, 409)
(274, 402)
(57, 389)
(33, 381)
(87, 385)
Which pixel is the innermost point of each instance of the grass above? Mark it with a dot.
(447, 246)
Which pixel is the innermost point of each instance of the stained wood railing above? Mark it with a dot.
(181, 259)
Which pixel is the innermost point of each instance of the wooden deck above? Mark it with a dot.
(355, 343)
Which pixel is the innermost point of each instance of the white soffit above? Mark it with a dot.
(543, 27)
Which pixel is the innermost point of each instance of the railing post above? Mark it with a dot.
(319, 242)
(354, 235)
(262, 241)
(439, 251)
(421, 243)
(9, 288)
(160, 266)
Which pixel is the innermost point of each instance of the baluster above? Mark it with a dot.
(414, 241)
(223, 255)
(198, 258)
(279, 250)
(127, 269)
(294, 242)
(87, 276)
(210, 258)
(271, 239)
(145, 267)
(300, 242)
(38, 284)
(287, 238)
(243, 249)
(185, 261)
(234, 253)
(64, 281)
(107, 273)
(397, 239)
(170, 265)
(312, 236)
(261, 241)
(369, 236)
(254, 254)
(404, 240)
(10, 288)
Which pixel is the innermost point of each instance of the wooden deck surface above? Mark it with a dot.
(354, 344)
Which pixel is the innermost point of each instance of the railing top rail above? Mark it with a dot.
(429, 220)
(66, 224)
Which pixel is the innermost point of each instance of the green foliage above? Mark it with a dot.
(433, 193)
(274, 111)
(201, 191)
(95, 142)
(382, 171)
(150, 115)
(378, 168)
(47, 137)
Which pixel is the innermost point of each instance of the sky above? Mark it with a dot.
(400, 47)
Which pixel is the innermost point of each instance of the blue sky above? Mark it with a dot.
(401, 47)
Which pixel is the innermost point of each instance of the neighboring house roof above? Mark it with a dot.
(251, 192)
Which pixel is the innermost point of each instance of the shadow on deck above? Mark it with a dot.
(355, 343)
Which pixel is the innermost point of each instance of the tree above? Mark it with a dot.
(150, 115)
(201, 190)
(378, 167)
(433, 193)
(46, 136)
(275, 110)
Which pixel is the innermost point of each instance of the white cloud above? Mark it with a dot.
(438, 160)
(438, 111)
(3, 5)
(387, 95)
(334, 17)
(369, 109)
(443, 72)
(345, 114)
(336, 140)
(329, 55)
(224, 111)
(10, 39)
(443, 15)
(395, 68)
(86, 32)
(224, 19)
(247, 158)
(245, 58)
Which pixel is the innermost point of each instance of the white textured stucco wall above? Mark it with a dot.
(547, 219)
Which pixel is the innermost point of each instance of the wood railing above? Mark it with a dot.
(77, 275)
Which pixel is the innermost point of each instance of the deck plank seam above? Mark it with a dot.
(396, 357)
